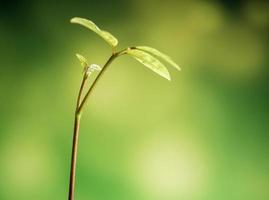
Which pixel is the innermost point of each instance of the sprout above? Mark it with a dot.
(143, 54)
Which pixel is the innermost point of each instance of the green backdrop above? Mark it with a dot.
(202, 136)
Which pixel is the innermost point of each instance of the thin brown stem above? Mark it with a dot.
(81, 89)
(75, 142)
(95, 81)
(74, 159)
(79, 107)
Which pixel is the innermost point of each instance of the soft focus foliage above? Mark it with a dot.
(203, 136)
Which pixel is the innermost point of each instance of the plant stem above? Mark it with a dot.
(95, 81)
(81, 89)
(75, 142)
(74, 158)
(79, 107)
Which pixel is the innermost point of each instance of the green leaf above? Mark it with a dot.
(82, 60)
(159, 54)
(150, 62)
(109, 38)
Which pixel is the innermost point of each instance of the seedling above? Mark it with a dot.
(143, 54)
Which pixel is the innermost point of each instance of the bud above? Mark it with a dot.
(93, 67)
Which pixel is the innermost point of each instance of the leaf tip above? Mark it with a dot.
(82, 60)
(73, 19)
(178, 68)
(175, 65)
(167, 76)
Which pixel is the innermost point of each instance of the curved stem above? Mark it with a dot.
(112, 57)
(95, 82)
(75, 142)
(79, 107)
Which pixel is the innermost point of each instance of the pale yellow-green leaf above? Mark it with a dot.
(150, 62)
(82, 60)
(159, 54)
(109, 38)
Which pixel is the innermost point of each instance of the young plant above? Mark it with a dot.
(143, 54)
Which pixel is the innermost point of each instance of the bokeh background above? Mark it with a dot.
(203, 136)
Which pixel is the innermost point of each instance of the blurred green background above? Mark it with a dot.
(203, 136)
